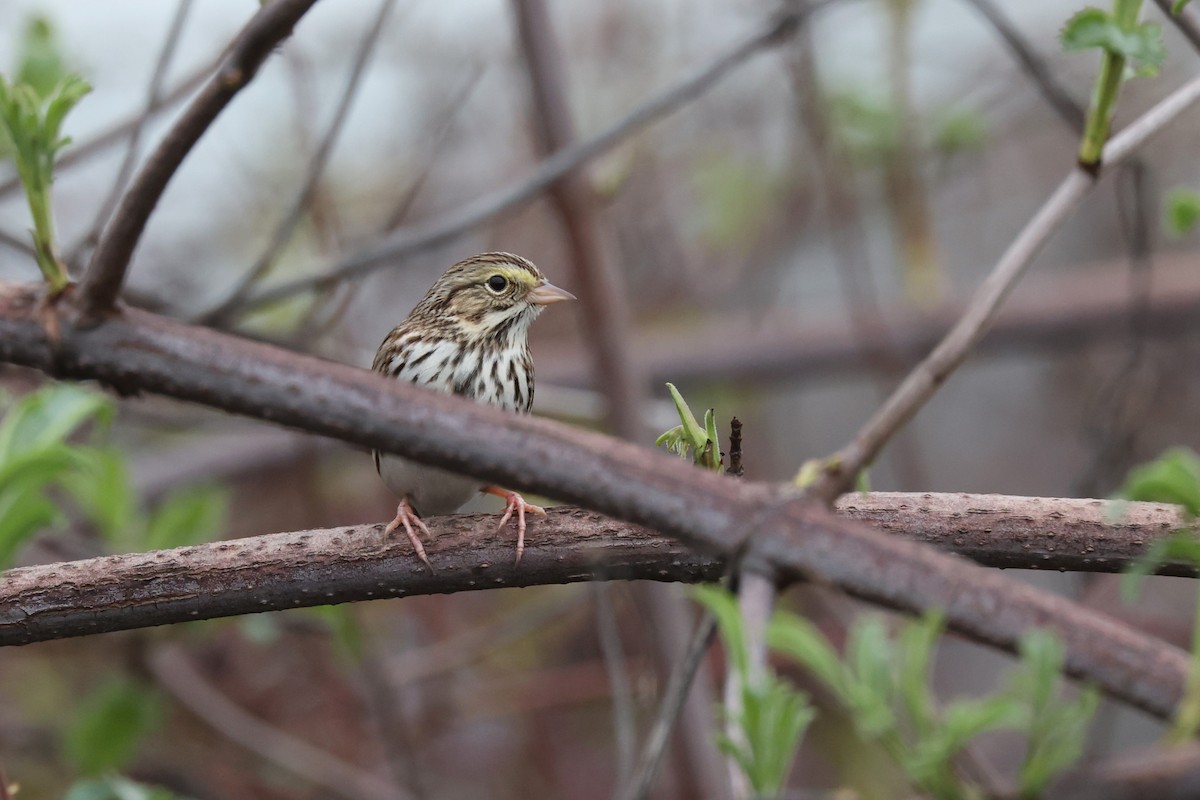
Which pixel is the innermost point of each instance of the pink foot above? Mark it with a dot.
(406, 516)
(514, 502)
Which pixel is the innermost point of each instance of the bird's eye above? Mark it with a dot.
(497, 283)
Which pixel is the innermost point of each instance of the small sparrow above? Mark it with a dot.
(468, 336)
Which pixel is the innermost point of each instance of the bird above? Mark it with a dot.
(468, 336)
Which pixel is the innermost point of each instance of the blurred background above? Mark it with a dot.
(782, 247)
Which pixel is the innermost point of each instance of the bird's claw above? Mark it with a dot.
(514, 502)
(407, 517)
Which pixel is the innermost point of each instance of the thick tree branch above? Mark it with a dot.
(137, 351)
(106, 272)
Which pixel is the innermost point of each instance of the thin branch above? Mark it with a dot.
(1062, 312)
(676, 693)
(17, 243)
(613, 652)
(154, 93)
(1054, 92)
(925, 379)
(138, 351)
(174, 671)
(1187, 21)
(219, 314)
(106, 272)
(415, 239)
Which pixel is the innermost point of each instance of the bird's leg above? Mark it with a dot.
(514, 502)
(407, 516)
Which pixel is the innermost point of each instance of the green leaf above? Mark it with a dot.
(110, 725)
(1182, 212)
(1180, 547)
(1172, 478)
(23, 512)
(918, 641)
(41, 64)
(800, 639)
(100, 487)
(187, 516)
(869, 654)
(1178, 6)
(1140, 44)
(723, 605)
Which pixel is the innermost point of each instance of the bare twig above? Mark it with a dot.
(1054, 92)
(923, 381)
(676, 693)
(615, 665)
(409, 241)
(174, 671)
(154, 93)
(1062, 312)
(17, 243)
(219, 314)
(1187, 21)
(106, 271)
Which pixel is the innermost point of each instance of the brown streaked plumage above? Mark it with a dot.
(467, 336)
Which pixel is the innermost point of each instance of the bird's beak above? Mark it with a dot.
(546, 293)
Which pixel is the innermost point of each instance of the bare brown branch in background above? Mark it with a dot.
(410, 241)
(158, 76)
(105, 275)
(607, 321)
(219, 314)
(173, 670)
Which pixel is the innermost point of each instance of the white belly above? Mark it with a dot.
(431, 491)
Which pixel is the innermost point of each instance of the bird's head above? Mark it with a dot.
(491, 294)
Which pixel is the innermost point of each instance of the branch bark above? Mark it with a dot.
(106, 271)
(138, 351)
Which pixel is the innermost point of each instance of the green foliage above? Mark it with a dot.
(884, 682)
(1124, 43)
(110, 725)
(116, 788)
(1173, 478)
(1140, 44)
(32, 123)
(736, 197)
(688, 437)
(1178, 6)
(37, 458)
(960, 132)
(41, 64)
(1056, 728)
(1183, 211)
(772, 717)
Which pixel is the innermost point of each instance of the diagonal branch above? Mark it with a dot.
(415, 239)
(924, 380)
(218, 315)
(106, 272)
